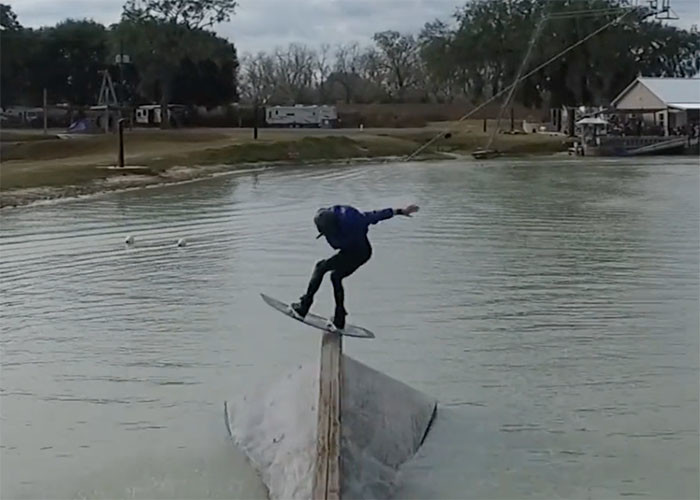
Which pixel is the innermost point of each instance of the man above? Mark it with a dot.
(345, 229)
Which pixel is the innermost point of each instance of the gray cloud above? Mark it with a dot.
(36, 13)
(277, 22)
(265, 24)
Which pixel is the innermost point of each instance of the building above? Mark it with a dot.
(669, 105)
(650, 116)
(33, 116)
(301, 116)
(150, 114)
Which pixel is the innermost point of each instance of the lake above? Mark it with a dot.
(549, 304)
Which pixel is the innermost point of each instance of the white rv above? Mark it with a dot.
(301, 116)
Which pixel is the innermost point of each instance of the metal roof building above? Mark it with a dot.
(656, 94)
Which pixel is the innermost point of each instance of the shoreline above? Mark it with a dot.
(177, 175)
(52, 169)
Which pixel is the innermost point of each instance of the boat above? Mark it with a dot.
(485, 154)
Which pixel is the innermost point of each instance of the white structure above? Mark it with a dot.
(667, 102)
(301, 116)
(149, 114)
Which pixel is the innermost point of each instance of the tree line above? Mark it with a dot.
(477, 56)
(474, 55)
(172, 56)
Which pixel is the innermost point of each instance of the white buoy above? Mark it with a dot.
(181, 242)
(129, 240)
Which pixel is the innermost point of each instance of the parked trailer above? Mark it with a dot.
(301, 116)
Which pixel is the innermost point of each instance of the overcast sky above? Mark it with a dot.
(265, 24)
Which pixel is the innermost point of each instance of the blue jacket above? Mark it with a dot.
(351, 225)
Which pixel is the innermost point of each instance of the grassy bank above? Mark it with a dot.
(293, 151)
(37, 166)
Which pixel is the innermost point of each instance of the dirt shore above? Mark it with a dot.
(40, 167)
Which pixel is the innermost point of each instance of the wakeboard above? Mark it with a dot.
(317, 321)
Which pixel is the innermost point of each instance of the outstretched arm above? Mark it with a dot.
(379, 215)
(407, 211)
(375, 216)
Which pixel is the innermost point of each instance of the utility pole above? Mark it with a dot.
(46, 113)
(121, 143)
(255, 119)
(122, 59)
(121, 73)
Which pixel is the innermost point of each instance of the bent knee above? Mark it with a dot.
(321, 266)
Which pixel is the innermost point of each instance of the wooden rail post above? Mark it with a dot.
(326, 484)
(121, 143)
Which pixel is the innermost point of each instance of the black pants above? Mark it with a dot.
(341, 265)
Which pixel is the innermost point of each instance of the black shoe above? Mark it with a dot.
(300, 309)
(339, 320)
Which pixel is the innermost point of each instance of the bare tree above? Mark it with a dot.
(399, 53)
(300, 74)
(374, 73)
(295, 72)
(257, 77)
(347, 61)
(323, 70)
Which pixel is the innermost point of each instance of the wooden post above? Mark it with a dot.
(46, 113)
(512, 120)
(255, 120)
(484, 125)
(571, 117)
(121, 143)
(326, 481)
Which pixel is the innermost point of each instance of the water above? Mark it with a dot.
(551, 306)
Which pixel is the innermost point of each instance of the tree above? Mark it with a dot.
(322, 70)
(399, 58)
(205, 83)
(13, 67)
(347, 60)
(295, 73)
(69, 60)
(483, 53)
(192, 14)
(64, 59)
(258, 79)
(440, 79)
(159, 34)
(8, 19)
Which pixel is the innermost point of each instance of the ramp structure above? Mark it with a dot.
(333, 430)
(368, 425)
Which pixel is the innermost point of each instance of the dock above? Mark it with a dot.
(661, 147)
(639, 145)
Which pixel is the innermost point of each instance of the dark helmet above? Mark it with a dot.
(325, 221)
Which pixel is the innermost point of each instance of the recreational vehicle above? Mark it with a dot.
(301, 116)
